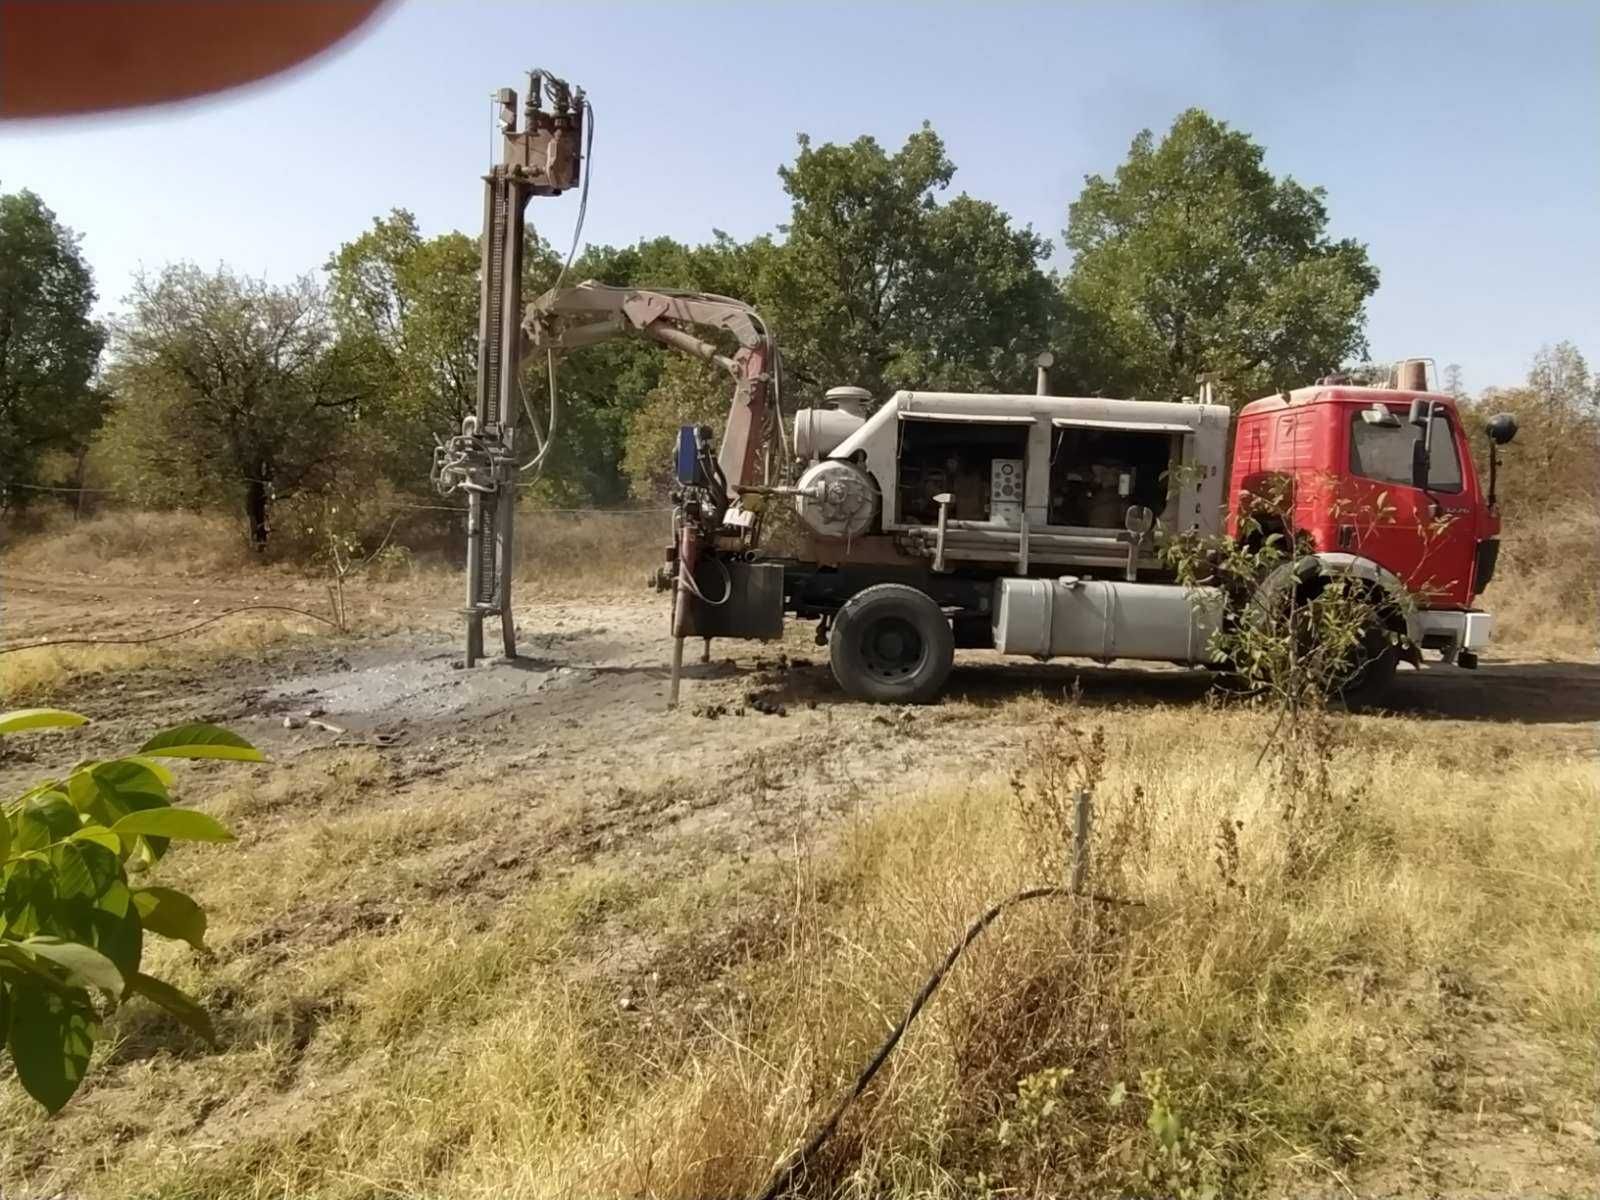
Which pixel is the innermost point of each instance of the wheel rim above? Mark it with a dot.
(892, 650)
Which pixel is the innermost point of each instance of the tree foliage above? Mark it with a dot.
(228, 386)
(1556, 455)
(74, 905)
(879, 285)
(406, 311)
(1191, 258)
(1194, 259)
(49, 345)
(689, 392)
(1560, 376)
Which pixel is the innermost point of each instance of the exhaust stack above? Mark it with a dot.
(1410, 375)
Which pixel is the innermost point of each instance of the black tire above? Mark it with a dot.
(891, 644)
(1364, 676)
(1373, 665)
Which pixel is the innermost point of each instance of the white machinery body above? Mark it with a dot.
(1058, 473)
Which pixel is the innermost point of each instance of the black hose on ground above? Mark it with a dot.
(792, 1167)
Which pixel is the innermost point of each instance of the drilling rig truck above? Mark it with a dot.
(1032, 524)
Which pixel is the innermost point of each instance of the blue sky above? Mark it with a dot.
(1461, 142)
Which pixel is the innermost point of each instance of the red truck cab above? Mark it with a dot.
(1339, 466)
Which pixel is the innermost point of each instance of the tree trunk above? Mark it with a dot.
(255, 503)
(83, 458)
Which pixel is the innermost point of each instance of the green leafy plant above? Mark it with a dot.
(1177, 1162)
(1294, 631)
(74, 909)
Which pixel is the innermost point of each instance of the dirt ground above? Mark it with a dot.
(590, 687)
(763, 750)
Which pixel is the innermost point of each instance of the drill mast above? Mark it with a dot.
(542, 158)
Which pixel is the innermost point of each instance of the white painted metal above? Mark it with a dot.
(835, 499)
(1200, 430)
(818, 430)
(1105, 619)
(1468, 630)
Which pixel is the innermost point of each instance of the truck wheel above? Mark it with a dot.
(1372, 664)
(891, 644)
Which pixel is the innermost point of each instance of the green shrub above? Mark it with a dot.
(74, 908)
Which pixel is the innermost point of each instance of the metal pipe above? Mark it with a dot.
(688, 559)
(474, 577)
(943, 501)
(972, 532)
(505, 541)
(677, 669)
(690, 344)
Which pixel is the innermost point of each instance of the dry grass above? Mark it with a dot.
(1546, 596)
(30, 675)
(579, 551)
(585, 553)
(420, 980)
(1302, 993)
(126, 542)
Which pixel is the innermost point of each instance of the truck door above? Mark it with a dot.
(1426, 536)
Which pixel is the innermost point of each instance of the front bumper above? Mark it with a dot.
(1450, 631)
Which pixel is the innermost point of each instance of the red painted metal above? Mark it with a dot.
(1426, 537)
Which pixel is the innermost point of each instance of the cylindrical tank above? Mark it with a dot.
(1105, 619)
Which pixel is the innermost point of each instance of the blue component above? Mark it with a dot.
(688, 460)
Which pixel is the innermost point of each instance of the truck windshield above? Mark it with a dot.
(1383, 453)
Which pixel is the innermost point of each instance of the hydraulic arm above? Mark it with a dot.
(710, 519)
(569, 318)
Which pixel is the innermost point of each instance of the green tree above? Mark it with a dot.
(1555, 460)
(1193, 259)
(49, 346)
(880, 285)
(688, 392)
(227, 386)
(1560, 375)
(406, 311)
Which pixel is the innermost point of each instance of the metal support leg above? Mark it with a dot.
(474, 613)
(505, 537)
(677, 672)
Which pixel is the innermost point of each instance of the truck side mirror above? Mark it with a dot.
(1421, 416)
(1419, 462)
(1502, 428)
